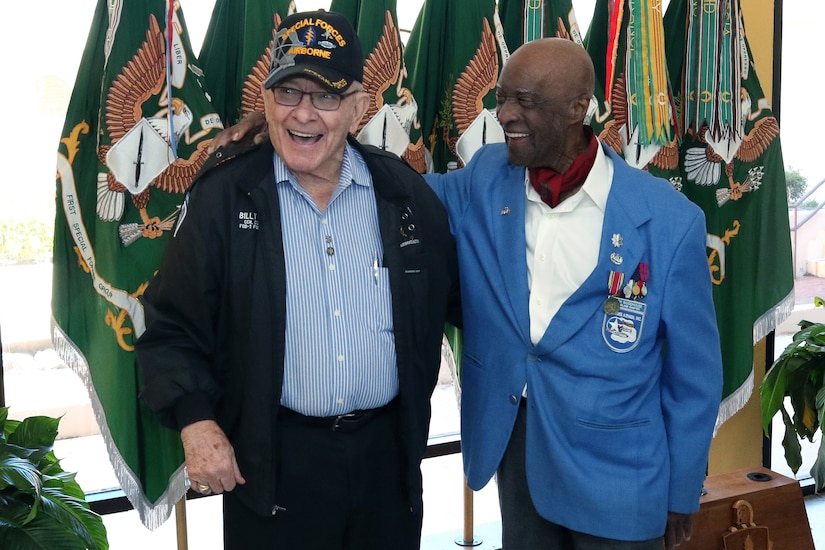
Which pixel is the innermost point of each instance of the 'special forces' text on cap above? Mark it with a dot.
(320, 45)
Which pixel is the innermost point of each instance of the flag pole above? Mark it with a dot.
(180, 523)
(468, 539)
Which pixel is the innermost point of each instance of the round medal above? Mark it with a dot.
(611, 305)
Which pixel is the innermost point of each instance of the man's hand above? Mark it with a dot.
(253, 124)
(210, 458)
(679, 528)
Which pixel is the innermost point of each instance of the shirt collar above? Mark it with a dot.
(353, 170)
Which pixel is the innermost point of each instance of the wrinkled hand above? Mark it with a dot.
(210, 458)
(679, 529)
(253, 124)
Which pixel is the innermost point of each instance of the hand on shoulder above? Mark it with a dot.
(252, 126)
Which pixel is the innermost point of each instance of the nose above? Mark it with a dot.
(305, 107)
(507, 110)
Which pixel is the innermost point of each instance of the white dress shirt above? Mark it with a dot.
(563, 243)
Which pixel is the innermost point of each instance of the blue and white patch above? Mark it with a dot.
(623, 330)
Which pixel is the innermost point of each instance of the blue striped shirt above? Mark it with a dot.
(340, 349)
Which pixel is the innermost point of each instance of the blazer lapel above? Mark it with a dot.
(623, 217)
(507, 225)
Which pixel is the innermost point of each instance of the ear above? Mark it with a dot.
(579, 108)
(362, 103)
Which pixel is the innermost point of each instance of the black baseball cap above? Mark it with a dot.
(321, 45)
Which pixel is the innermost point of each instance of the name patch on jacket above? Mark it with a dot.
(248, 220)
(622, 329)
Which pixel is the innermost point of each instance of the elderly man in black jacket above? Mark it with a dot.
(294, 327)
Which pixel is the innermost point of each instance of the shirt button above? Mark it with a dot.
(332, 267)
(340, 358)
(337, 313)
(324, 221)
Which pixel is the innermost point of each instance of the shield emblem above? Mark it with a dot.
(744, 533)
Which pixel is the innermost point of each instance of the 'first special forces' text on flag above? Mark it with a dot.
(135, 133)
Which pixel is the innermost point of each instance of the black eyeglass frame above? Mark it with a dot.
(316, 98)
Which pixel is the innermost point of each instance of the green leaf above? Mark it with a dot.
(19, 473)
(793, 450)
(818, 469)
(13, 514)
(41, 506)
(19, 509)
(4, 415)
(9, 425)
(41, 534)
(37, 433)
(802, 402)
(772, 393)
(75, 514)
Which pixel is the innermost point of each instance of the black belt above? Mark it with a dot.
(346, 423)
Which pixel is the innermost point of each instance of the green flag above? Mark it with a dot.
(731, 165)
(454, 58)
(636, 112)
(135, 133)
(235, 53)
(526, 20)
(391, 122)
(596, 44)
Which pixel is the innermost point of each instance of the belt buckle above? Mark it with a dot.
(336, 424)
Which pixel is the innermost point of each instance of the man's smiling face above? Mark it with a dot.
(542, 97)
(533, 122)
(310, 141)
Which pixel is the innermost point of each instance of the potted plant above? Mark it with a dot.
(41, 506)
(799, 374)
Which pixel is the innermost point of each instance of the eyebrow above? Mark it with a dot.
(520, 91)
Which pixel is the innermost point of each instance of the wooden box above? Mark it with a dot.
(777, 505)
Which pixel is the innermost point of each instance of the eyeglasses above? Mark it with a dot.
(323, 101)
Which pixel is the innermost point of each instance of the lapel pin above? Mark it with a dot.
(505, 210)
(616, 258)
(617, 240)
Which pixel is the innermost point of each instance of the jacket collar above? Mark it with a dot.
(254, 173)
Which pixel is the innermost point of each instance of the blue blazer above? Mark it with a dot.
(618, 429)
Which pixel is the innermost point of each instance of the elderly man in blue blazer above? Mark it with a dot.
(591, 370)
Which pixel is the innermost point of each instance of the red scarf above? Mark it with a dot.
(550, 184)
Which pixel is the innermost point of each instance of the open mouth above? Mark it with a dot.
(516, 135)
(301, 137)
